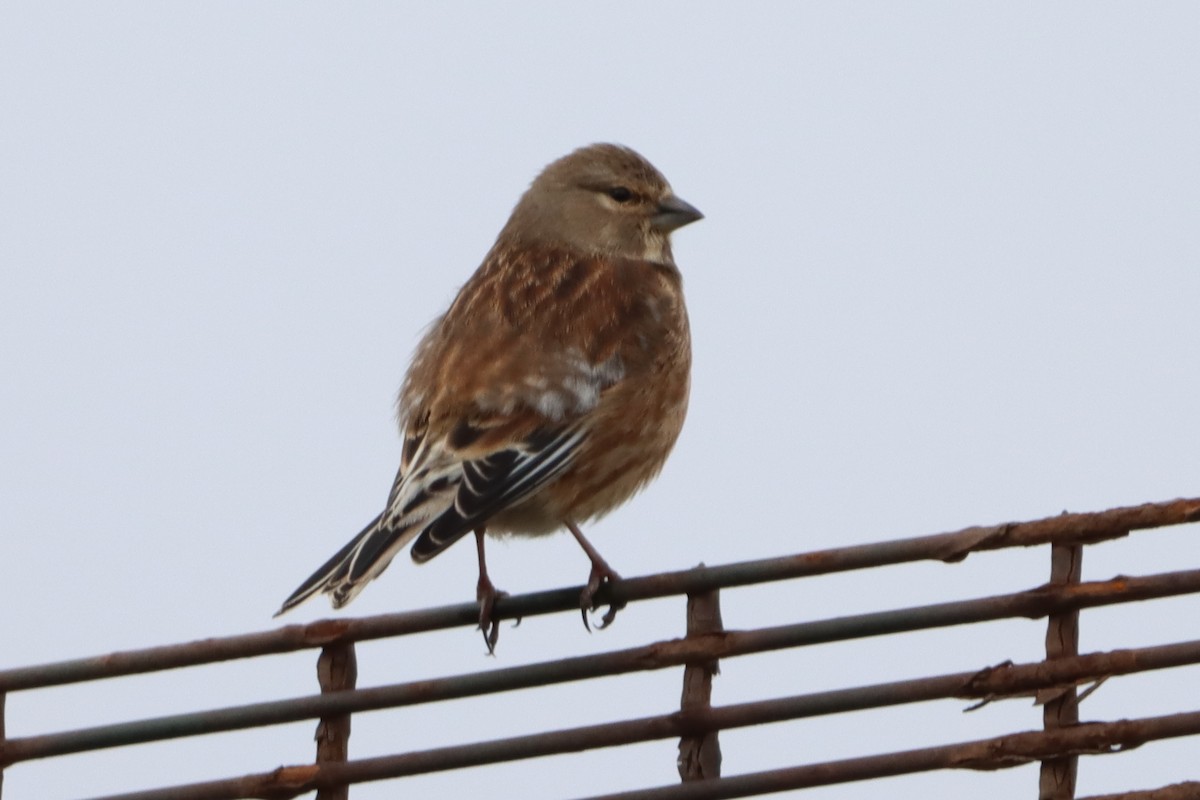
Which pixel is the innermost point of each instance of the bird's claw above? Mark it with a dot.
(487, 594)
(600, 575)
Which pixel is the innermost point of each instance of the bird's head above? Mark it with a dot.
(603, 200)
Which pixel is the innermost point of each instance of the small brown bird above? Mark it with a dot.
(553, 388)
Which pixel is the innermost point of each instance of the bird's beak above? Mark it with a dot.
(674, 213)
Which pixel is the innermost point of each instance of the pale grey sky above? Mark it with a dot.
(948, 275)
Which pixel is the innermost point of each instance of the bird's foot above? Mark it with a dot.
(487, 594)
(600, 575)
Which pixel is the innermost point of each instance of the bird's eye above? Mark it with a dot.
(621, 194)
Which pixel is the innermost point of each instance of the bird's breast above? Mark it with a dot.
(631, 429)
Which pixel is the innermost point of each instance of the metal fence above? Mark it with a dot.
(697, 723)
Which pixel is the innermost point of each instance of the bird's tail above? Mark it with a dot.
(345, 574)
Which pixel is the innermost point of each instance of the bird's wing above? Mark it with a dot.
(445, 489)
(443, 496)
(497, 481)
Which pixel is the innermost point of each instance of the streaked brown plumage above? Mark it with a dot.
(555, 385)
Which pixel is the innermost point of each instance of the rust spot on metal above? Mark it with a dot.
(293, 777)
(427, 688)
(969, 540)
(324, 631)
(1116, 585)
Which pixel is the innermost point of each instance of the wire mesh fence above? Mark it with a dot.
(1054, 681)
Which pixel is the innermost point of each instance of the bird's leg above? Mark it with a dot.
(600, 573)
(486, 594)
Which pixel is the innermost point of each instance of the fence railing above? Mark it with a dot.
(1055, 679)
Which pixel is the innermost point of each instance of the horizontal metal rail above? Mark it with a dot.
(999, 752)
(1032, 603)
(1089, 527)
(1188, 790)
(1056, 745)
(994, 753)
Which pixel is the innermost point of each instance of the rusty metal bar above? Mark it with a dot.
(944, 547)
(337, 671)
(1033, 603)
(3, 740)
(1056, 779)
(994, 753)
(1188, 790)
(287, 639)
(700, 755)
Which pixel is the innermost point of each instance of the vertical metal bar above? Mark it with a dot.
(1060, 705)
(337, 670)
(700, 756)
(3, 697)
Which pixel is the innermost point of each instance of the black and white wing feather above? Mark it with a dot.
(437, 499)
(498, 481)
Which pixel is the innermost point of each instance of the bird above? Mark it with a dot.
(552, 389)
